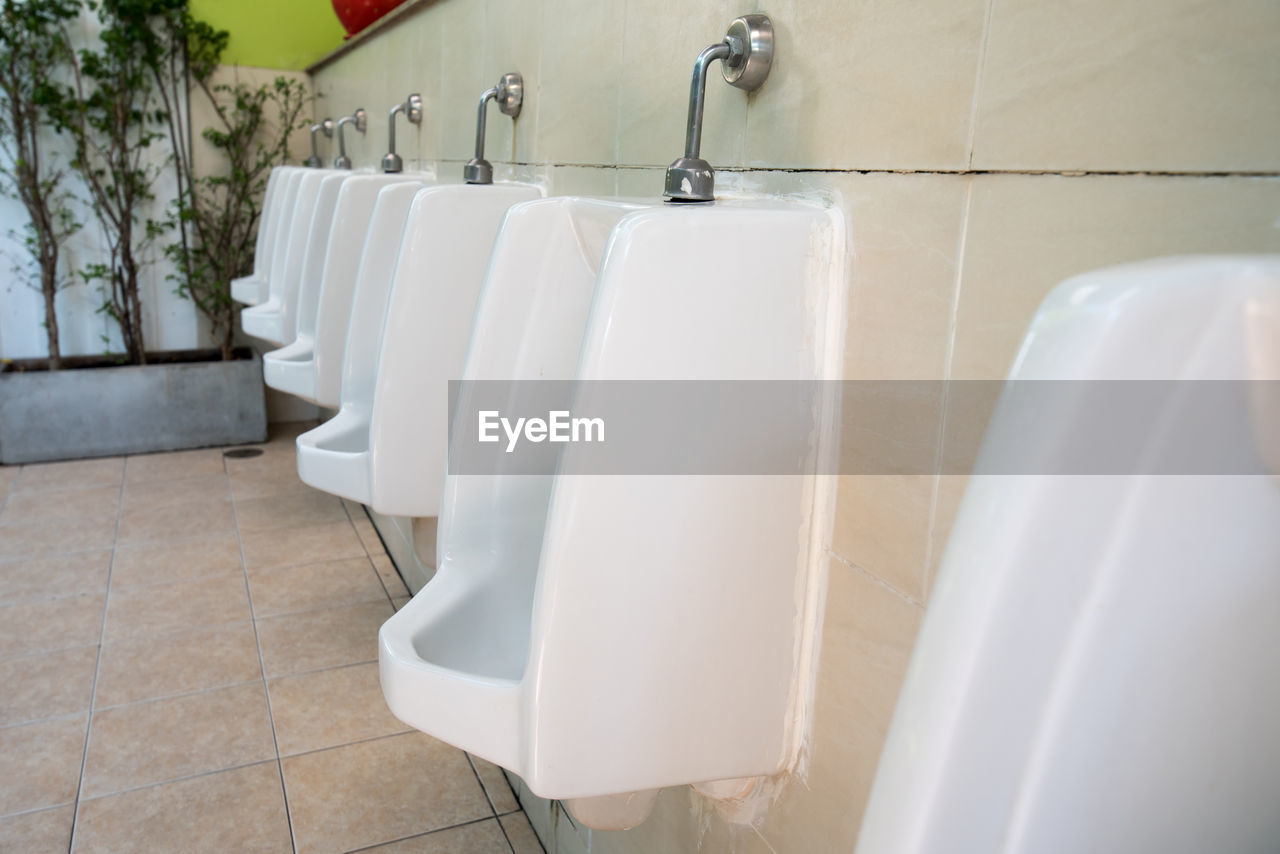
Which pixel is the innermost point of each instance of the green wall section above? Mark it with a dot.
(273, 33)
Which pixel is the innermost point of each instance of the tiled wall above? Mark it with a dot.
(982, 150)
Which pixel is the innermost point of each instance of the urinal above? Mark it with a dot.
(601, 634)
(1099, 666)
(252, 289)
(274, 320)
(309, 367)
(408, 335)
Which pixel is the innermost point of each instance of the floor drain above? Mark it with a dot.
(242, 453)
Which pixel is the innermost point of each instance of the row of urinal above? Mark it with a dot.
(384, 288)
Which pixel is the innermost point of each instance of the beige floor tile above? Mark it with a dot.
(46, 686)
(399, 602)
(180, 520)
(159, 493)
(330, 708)
(58, 536)
(520, 832)
(75, 474)
(43, 832)
(368, 535)
(133, 746)
(495, 785)
(54, 624)
(309, 544)
(289, 511)
(391, 579)
(40, 764)
(480, 837)
(239, 811)
(8, 476)
(311, 586)
(138, 612)
(97, 503)
(379, 791)
(182, 663)
(263, 483)
(178, 560)
(173, 466)
(51, 577)
(296, 643)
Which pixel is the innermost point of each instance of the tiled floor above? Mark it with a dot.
(188, 662)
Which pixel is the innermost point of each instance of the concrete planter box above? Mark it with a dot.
(105, 411)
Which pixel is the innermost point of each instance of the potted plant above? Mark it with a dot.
(126, 97)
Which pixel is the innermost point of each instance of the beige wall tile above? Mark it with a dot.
(882, 525)
(196, 660)
(310, 586)
(379, 791)
(75, 474)
(296, 643)
(132, 746)
(241, 810)
(46, 686)
(462, 75)
(1027, 233)
(513, 42)
(43, 832)
(147, 612)
(1145, 86)
(181, 560)
(50, 625)
(869, 85)
(308, 544)
(657, 65)
(583, 181)
(330, 708)
(51, 577)
(580, 82)
(98, 503)
(868, 636)
(480, 837)
(40, 764)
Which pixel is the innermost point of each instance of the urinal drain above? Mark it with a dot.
(242, 453)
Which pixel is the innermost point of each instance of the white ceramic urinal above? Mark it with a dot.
(1099, 667)
(386, 446)
(601, 634)
(274, 320)
(252, 289)
(311, 366)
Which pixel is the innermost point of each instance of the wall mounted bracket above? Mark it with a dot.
(509, 95)
(361, 120)
(325, 127)
(747, 54)
(412, 109)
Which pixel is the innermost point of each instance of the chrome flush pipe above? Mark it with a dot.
(509, 95)
(325, 127)
(412, 109)
(361, 120)
(747, 54)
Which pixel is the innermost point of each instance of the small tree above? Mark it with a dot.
(33, 49)
(215, 216)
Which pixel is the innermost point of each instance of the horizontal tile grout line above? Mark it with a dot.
(428, 833)
(166, 782)
(875, 578)
(37, 809)
(46, 720)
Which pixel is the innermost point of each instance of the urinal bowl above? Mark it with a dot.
(252, 289)
(630, 617)
(407, 340)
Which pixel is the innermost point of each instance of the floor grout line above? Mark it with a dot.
(97, 665)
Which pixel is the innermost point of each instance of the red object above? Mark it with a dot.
(355, 15)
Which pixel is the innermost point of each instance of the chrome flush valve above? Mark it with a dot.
(509, 94)
(412, 109)
(325, 127)
(361, 120)
(747, 55)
